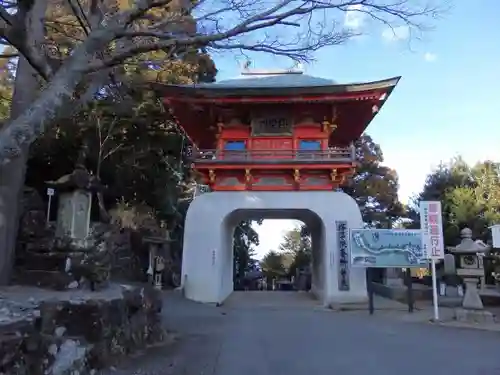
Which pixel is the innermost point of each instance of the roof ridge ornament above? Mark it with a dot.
(270, 72)
(297, 68)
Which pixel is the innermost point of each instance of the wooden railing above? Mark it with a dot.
(337, 154)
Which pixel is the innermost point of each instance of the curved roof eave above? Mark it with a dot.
(223, 90)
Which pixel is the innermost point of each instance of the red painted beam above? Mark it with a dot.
(266, 167)
(279, 99)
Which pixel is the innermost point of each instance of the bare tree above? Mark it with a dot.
(293, 28)
(107, 33)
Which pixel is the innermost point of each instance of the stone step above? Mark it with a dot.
(400, 293)
(46, 261)
(45, 279)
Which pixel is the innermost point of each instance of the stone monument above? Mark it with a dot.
(75, 202)
(469, 262)
(74, 255)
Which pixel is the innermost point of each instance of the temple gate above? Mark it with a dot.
(273, 145)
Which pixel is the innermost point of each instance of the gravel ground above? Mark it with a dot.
(281, 333)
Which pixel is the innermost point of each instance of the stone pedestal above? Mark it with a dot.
(474, 316)
(59, 267)
(472, 299)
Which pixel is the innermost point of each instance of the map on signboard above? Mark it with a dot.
(386, 248)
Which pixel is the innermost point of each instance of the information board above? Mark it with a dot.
(386, 248)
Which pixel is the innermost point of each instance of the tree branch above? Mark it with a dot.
(6, 17)
(261, 20)
(22, 29)
(223, 29)
(8, 55)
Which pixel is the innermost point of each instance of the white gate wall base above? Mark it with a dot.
(207, 264)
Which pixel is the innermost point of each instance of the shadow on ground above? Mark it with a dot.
(275, 333)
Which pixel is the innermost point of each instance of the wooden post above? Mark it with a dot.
(369, 286)
(409, 290)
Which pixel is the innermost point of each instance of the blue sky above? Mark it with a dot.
(445, 105)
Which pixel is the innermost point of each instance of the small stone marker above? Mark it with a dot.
(449, 265)
(393, 278)
(449, 270)
(442, 289)
(2, 216)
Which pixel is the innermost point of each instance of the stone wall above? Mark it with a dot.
(77, 332)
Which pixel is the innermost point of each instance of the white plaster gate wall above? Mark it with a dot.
(207, 263)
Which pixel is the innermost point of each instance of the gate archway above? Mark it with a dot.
(207, 264)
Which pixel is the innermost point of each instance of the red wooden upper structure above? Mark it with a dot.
(276, 131)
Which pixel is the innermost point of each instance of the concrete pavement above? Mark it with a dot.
(279, 333)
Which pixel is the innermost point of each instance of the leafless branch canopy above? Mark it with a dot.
(93, 36)
(293, 28)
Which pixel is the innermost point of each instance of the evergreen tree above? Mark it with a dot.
(374, 186)
(297, 247)
(272, 265)
(244, 239)
(469, 196)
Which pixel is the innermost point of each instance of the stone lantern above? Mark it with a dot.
(469, 265)
(75, 202)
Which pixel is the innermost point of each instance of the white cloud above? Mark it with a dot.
(396, 33)
(430, 57)
(354, 19)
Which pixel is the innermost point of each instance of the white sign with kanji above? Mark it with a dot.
(495, 234)
(431, 224)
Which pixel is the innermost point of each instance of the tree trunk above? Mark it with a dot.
(12, 174)
(33, 111)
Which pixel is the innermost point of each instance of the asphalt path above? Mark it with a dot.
(288, 333)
